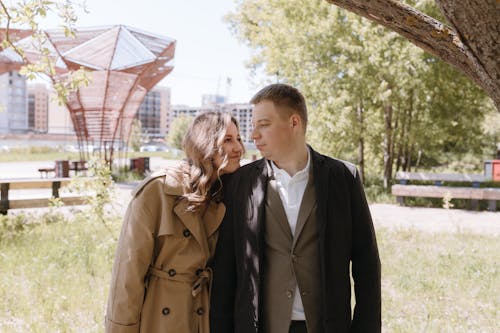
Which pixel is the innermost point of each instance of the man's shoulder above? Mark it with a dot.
(335, 163)
(252, 167)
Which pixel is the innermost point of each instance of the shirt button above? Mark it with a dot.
(294, 258)
(186, 233)
(289, 294)
(165, 311)
(303, 293)
(200, 311)
(172, 272)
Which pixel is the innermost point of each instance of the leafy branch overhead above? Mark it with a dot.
(469, 41)
(29, 49)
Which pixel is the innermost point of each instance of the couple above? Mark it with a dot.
(271, 251)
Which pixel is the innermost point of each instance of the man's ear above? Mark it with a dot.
(295, 120)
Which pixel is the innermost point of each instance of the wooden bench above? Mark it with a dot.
(473, 193)
(76, 166)
(55, 184)
(45, 171)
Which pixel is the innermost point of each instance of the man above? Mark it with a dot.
(297, 222)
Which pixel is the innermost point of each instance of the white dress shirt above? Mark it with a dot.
(291, 191)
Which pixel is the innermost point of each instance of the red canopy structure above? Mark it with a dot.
(124, 64)
(9, 59)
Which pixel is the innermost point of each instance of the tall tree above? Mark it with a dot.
(371, 94)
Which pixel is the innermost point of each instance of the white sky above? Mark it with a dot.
(206, 52)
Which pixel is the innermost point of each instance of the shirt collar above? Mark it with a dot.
(282, 174)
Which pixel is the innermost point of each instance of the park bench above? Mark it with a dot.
(64, 168)
(55, 184)
(472, 192)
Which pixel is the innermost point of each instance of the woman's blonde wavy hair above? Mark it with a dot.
(202, 143)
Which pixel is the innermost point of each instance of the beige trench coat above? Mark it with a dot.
(160, 282)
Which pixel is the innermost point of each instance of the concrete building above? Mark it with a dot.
(38, 108)
(241, 111)
(153, 112)
(212, 99)
(243, 114)
(13, 103)
(59, 121)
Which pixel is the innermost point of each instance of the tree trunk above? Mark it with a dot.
(470, 45)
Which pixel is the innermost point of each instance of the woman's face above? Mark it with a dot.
(232, 148)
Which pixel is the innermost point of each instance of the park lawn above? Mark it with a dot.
(55, 276)
(26, 155)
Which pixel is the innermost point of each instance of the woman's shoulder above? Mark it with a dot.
(167, 180)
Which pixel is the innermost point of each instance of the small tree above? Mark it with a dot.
(178, 130)
(135, 139)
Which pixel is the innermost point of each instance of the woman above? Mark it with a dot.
(160, 278)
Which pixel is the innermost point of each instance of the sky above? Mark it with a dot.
(207, 53)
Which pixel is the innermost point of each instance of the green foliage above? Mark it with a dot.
(177, 131)
(365, 86)
(99, 187)
(30, 14)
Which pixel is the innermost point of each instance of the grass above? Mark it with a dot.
(49, 154)
(439, 282)
(55, 277)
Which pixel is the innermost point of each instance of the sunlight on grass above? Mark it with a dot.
(55, 278)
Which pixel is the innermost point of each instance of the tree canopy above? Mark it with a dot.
(373, 98)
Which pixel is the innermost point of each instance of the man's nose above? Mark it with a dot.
(255, 133)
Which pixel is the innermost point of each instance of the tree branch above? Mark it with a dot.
(477, 22)
(425, 32)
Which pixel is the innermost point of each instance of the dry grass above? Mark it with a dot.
(54, 278)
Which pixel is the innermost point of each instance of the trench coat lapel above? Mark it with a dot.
(306, 206)
(193, 222)
(213, 217)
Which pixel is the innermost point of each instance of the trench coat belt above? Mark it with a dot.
(198, 281)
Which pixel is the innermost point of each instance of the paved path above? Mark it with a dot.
(436, 219)
(384, 215)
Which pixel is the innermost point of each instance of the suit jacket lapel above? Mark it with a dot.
(306, 206)
(275, 206)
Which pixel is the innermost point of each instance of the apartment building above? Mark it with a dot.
(13, 103)
(38, 108)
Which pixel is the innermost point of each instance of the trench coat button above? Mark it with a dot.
(172, 272)
(186, 233)
(165, 311)
(200, 311)
(198, 271)
(289, 293)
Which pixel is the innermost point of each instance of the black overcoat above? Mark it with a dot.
(346, 238)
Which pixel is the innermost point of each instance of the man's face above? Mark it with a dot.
(272, 130)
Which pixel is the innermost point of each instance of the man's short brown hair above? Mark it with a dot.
(283, 95)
